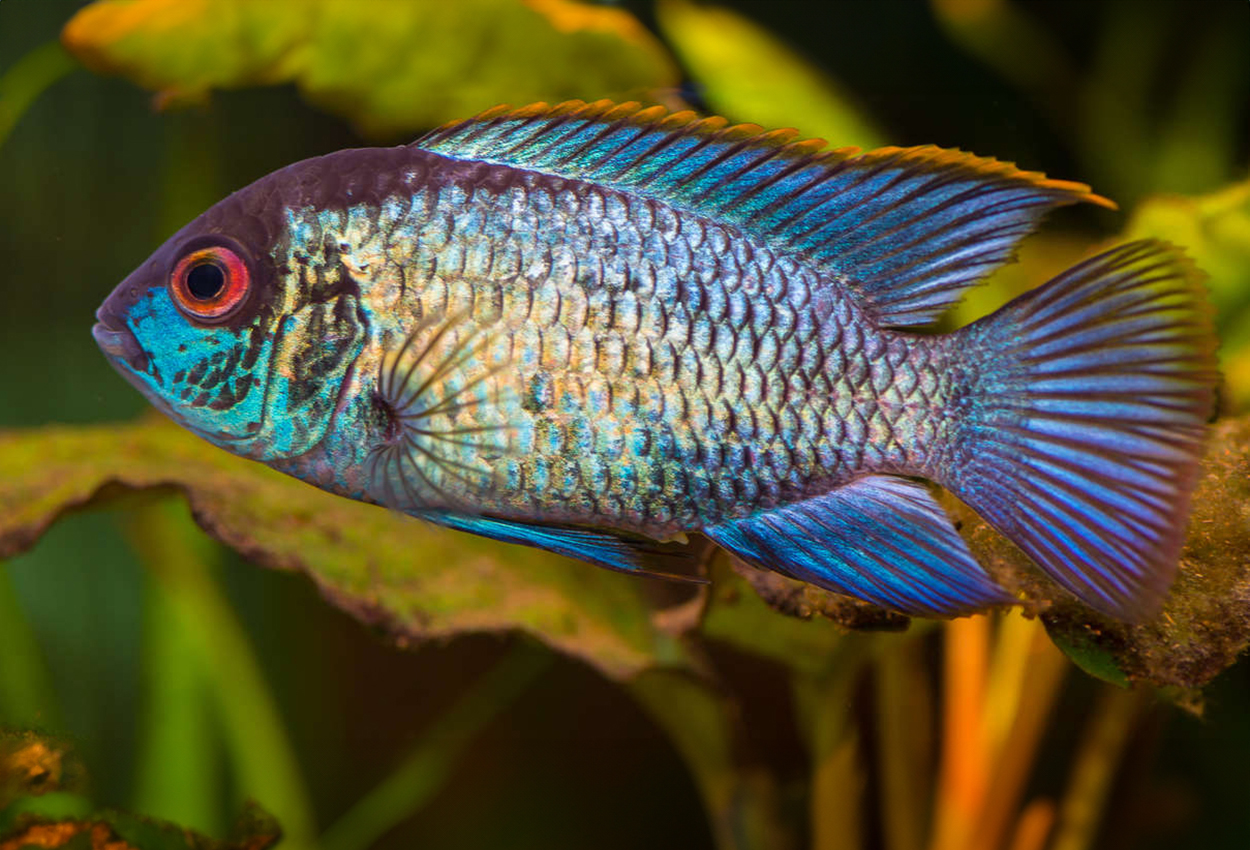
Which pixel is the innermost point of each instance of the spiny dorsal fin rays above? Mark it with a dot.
(910, 228)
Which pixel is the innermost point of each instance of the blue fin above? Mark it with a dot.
(911, 228)
(679, 561)
(1085, 441)
(880, 538)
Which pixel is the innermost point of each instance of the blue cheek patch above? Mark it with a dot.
(208, 378)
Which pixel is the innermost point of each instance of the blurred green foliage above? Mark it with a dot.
(388, 67)
(197, 682)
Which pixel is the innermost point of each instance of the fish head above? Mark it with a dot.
(219, 330)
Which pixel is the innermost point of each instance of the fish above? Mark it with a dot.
(634, 337)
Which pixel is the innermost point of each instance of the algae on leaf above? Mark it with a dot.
(415, 581)
(40, 806)
(402, 575)
(390, 68)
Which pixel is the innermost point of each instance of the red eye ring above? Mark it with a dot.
(210, 283)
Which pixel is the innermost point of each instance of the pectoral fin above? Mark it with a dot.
(880, 538)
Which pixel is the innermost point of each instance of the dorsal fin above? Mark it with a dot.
(911, 228)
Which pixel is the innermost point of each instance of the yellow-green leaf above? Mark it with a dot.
(748, 74)
(404, 576)
(389, 67)
(1215, 230)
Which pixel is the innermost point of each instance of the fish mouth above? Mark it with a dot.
(118, 341)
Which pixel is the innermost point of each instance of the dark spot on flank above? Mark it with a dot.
(388, 420)
(182, 349)
(180, 375)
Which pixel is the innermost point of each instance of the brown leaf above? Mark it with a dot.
(406, 577)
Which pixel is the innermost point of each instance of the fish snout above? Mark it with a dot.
(117, 340)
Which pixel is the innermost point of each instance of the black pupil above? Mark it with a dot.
(205, 281)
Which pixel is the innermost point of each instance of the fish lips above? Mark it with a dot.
(118, 341)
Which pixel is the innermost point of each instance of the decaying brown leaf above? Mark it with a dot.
(415, 581)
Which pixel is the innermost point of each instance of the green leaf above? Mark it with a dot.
(1215, 230)
(388, 67)
(407, 578)
(748, 74)
(28, 78)
(1085, 651)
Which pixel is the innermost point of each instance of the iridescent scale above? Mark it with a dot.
(651, 369)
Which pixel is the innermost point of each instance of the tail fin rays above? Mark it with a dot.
(1091, 408)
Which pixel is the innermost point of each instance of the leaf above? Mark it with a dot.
(29, 77)
(408, 578)
(748, 74)
(1215, 231)
(389, 67)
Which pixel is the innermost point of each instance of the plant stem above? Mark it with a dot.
(705, 727)
(963, 779)
(180, 557)
(426, 768)
(904, 710)
(29, 77)
(1105, 736)
(1014, 757)
(27, 699)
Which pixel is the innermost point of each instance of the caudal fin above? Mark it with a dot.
(1085, 432)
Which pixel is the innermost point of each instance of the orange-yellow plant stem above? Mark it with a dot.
(963, 776)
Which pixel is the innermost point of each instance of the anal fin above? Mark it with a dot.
(678, 561)
(880, 538)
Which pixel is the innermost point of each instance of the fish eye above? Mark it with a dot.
(209, 284)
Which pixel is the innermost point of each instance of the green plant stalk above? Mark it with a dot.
(27, 700)
(179, 749)
(28, 78)
(838, 784)
(904, 709)
(1114, 102)
(427, 767)
(1198, 144)
(264, 764)
(1096, 762)
(705, 727)
(824, 702)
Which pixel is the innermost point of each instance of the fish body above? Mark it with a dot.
(596, 328)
